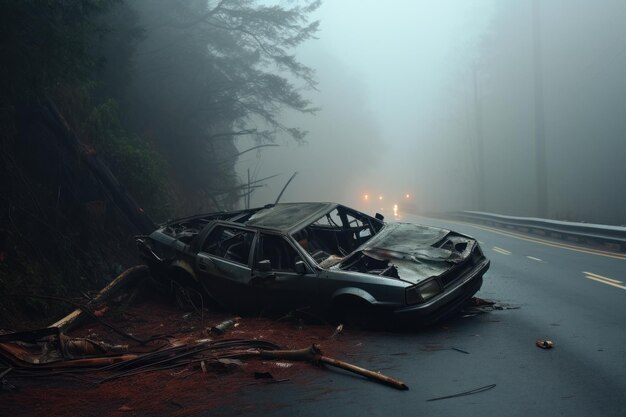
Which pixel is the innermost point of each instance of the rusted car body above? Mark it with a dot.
(319, 255)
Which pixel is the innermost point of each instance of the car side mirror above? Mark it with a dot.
(264, 266)
(300, 267)
(380, 217)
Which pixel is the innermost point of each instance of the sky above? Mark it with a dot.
(385, 71)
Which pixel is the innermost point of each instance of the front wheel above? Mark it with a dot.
(356, 313)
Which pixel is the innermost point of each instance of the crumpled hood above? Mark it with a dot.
(409, 247)
(409, 239)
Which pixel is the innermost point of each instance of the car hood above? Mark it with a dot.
(410, 249)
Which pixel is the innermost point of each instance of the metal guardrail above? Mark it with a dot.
(612, 237)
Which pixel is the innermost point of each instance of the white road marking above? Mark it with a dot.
(601, 277)
(534, 259)
(502, 251)
(605, 282)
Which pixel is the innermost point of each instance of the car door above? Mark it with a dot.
(223, 264)
(282, 284)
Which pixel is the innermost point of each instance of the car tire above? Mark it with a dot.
(185, 291)
(354, 312)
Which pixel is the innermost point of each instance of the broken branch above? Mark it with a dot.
(93, 316)
(123, 280)
(314, 355)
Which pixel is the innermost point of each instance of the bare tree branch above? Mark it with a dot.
(231, 134)
(199, 19)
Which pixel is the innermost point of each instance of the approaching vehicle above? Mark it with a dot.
(320, 255)
(389, 204)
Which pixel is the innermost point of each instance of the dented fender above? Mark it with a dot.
(183, 265)
(355, 292)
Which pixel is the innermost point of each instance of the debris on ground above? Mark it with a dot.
(480, 305)
(224, 326)
(130, 277)
(337, 331)
(545, 344)
(314, 355)
(462, 394)
(79, 360)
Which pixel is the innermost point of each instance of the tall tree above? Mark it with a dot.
(209, 72)
(45, 46)
(541, 168)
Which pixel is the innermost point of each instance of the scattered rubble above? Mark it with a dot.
(479, 306)
(224, 326)
(46, 364)
(544, 344)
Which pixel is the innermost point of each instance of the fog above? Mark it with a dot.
(384, 74)
(408, 90)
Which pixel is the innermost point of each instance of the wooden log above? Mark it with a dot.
(124, 280)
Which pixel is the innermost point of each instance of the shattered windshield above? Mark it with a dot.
(336, 234)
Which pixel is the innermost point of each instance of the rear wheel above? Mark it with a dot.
(185, 291)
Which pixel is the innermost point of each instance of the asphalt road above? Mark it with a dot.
(574, 296)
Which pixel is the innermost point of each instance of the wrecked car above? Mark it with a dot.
(324, 256)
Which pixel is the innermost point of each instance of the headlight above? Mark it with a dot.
(412, 296)
(429, 289)
(423, 292)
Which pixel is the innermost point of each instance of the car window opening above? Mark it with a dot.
(335, 235)
(278, 251)
(229, 243)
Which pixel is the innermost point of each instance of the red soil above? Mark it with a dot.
(180, 391)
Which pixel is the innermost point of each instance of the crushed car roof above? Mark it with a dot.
(288, 216)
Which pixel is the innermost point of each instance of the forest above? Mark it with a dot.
(157, 92)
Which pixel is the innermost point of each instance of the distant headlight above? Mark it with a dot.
(423, 292)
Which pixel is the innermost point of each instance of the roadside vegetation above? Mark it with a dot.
(158, 90)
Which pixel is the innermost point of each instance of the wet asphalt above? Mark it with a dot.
(575, 298)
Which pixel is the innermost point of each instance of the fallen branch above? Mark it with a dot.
(93, 316)
(52, 117)
(123, 280)
(314, 355)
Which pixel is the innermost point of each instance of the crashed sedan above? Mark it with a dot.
(322, 256)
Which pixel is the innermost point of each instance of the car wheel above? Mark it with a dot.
(185, 291)
(353, 312)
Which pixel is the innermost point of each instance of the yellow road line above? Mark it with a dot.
(502, 251)
(601, 277)
(546, 242)
(534, 259)
(605, 282)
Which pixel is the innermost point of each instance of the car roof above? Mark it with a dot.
(289, 217)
